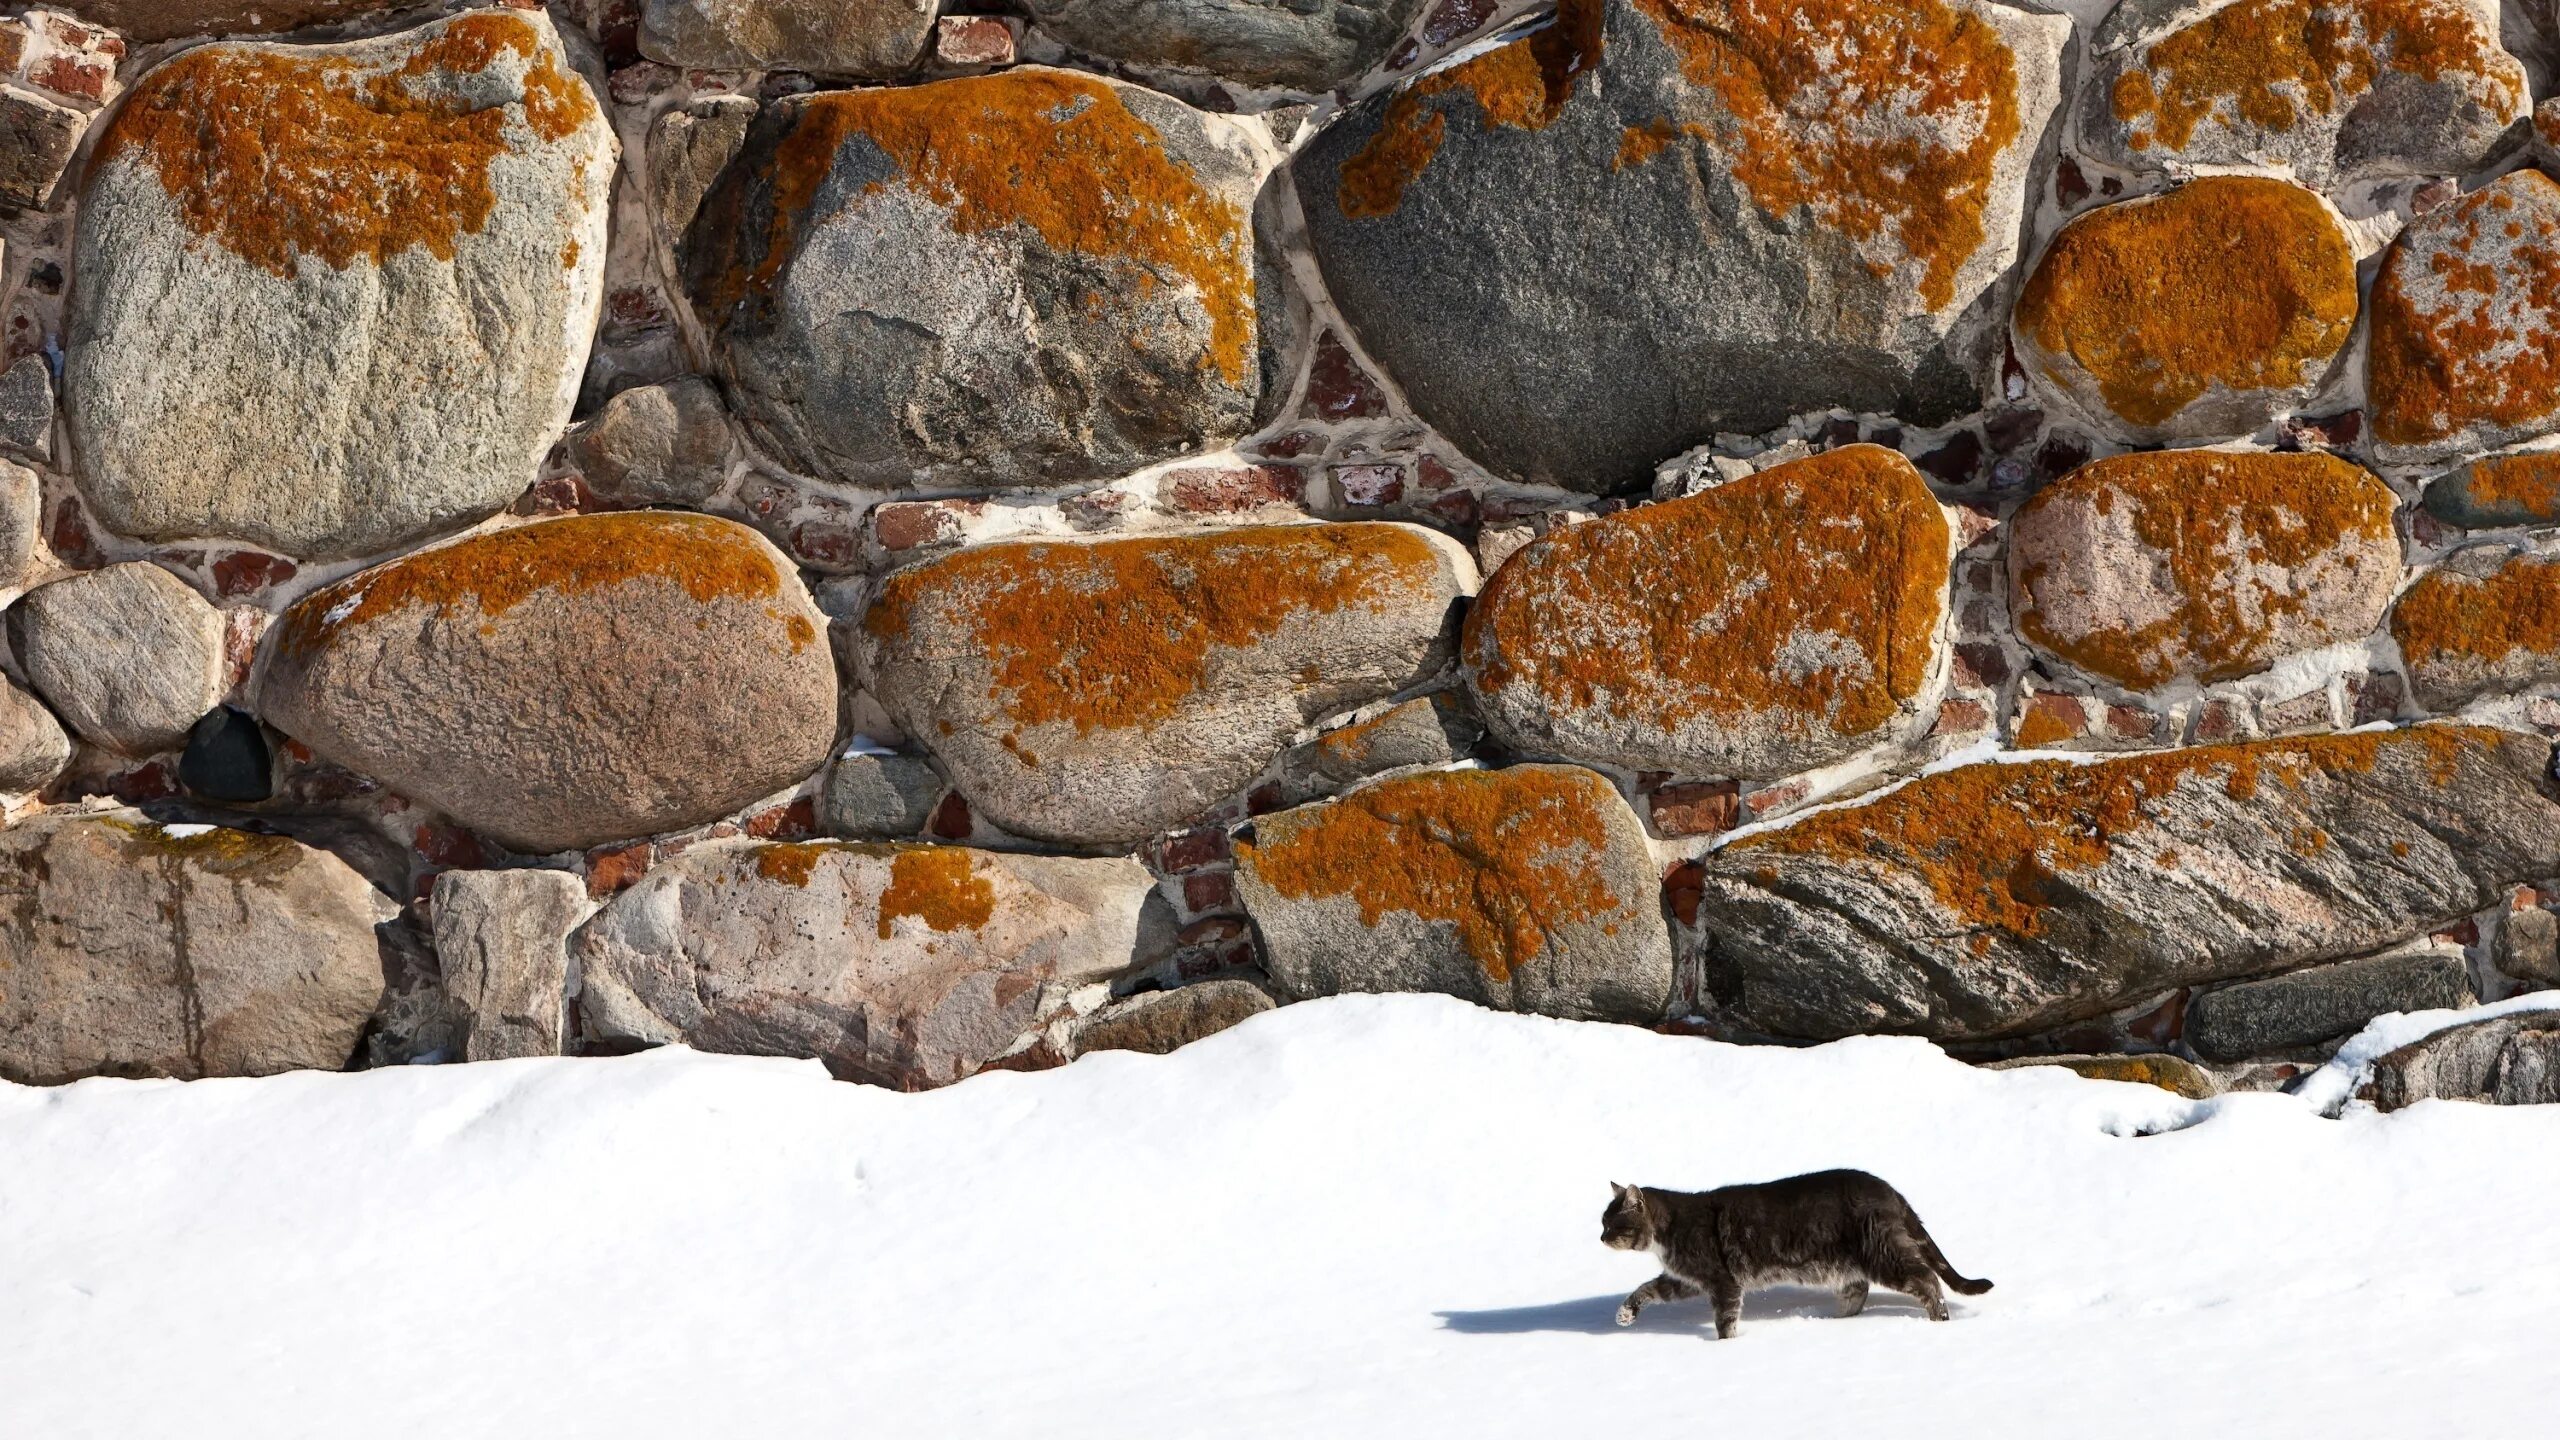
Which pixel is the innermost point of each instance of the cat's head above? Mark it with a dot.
(1628, 1222)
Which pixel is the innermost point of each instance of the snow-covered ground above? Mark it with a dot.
(1373, 1216)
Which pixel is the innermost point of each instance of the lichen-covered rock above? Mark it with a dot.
(2509, 1060)
(134, 948)
(2487, 620)
(2331, 90)
(905, 965)
(566, 683)
(2168, 1072)
(1527, 889)
(689, 145)
(21, 507)
(869, 38)
(2139, 316)
(1097, 692)
(2007, 898)
(502, 950)
(1670, 218)
(336, 298)
(128, 656)
(656, 445)
(1428, 731)
(1160, 1022)
(2499, 490)
(2201, 565)
(33, 747)
(2320, 1004)
(1029, 278)
(1764, 627)
(2465, 324)
(1309, 45)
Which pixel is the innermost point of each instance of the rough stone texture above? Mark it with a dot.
(688, 148)
(2179, 1077)
(897, 300)
(144, 21)
(1763, 627)
(656, 445)
(2499, 490)
(1528, 889)
(2201, 565)
(33, 747)
(2138, 316)
(2465, 325)
(334, 299)
(137, 949)
(1309, 45)
(1429, 731)
(878, 797)
(1160, 1022)
(21, 509)
(502, 946)
(2529, 947)
(2485, 621)
(2512, 1060)
(128, 656)
(37, 141)
(905, 965)
(470, 677)
(2004, 899)
(868, 38)
(2309, 1007)
(1097, 692)
(2332, 90)
(26, 408)
(1670, 218)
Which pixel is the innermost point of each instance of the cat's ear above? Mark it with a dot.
(1620, 1189)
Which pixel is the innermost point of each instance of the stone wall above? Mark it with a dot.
(938, 536)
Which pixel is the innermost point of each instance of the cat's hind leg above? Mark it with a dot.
(1853, 1297)
(1913, 1277)
(1661, 1287)
(1728, 1295)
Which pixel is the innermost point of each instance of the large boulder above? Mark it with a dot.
(1671, 218)
(2330, 91)
(2485, 621)
(868, 38)
(2002, 899)
(128, 656)
(2506, 1060)
(2314, 1006)
(1761, 628)
(336, 298)
(1529, 889)
(904, 965)
(1309, 45)
(134, 948)
(562, 684)
(1096, 692)
(2465, 324)
(2137, 315)
(2201, 565)
(1024, 279)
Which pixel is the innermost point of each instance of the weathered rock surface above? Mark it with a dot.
(2004, 899)
(2465, 325)
(138, 949)
(896, 299)
(2486, 620)
(905, 965)
(502, 945)
(1097, 692)
(2201, 564)
(869, 38)
(2331, 91)
(1310, 45)
(1766, 626)
(128, 656)
(1160, 1022)
(1429, 731)
(1673, 218)
(2179, 1077)
(2511, 1060)
(334, 299)
(26, 408)
(144, 21)
(2499, 490)
(33, 747)
(656, 445)
(37, 140)
(2320, 1004)
(2138, 316)
(689, 145)
(878, 797)
(2529, 947)
(21, 508)
(1527, 889)
(472, 677)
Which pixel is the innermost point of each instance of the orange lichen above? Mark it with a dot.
(1119, 634)
(1812, 590)
(2239, 540)
(1508, 857)
(217, 849)
(939, 885)
(1523, 85)
(2466, 316)
(2450, 618)
(2042, 727)
(2232, 281)
(276, 155)
(792, 863)
(2519, 487)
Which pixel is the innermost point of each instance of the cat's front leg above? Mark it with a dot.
(1660, 1287)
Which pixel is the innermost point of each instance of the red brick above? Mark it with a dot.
(1961, 717)
(1291, 445)
(1368, 485)
(1682, 886)
(450, 847)
(2221, 720)
(951, 818)
(616, 868)
(1264, 799)
(825, 544)
(74, 543)
(1762, 802)
(1193, 850)
(1337, 387)
(1451, 19)
(2132, 722)
(73, 77)
(246, 572)
(13, 45)
(1203, 490)
(2049, 719)
(1213, 891)
(902, 525)
(1700, 807)
(242, 627)
(795, 821)
(1431, 474)
(964, 41)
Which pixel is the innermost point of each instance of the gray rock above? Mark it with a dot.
(2510, 1060)
(1527, 889)
(2007, 899)
(140, 949)
(2497, 491)
(1431, 731)
(2459, 322)
(502, 947)
(37, 140)
(1308, 45)
(471, 677)
(895, 301)
(146, 21)
(656, 445)
(33, 748)
(878, 797)
(1160, 1022)
(688, 148)
(869, 38)
(2323, 1003)
(327, 309)
(2179, 1077)
(1837, 239)
(2529, 947)
(904, 965)
(26, 408)
(21, 511)
(1096, 692)
(128, 656)
(2475, 625)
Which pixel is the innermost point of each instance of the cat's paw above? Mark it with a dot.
(1626, 1314)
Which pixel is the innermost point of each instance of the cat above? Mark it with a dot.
(1843, 1228)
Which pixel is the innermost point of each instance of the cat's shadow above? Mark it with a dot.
(1598, 1314)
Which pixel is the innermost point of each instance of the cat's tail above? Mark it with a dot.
(1937, 1259)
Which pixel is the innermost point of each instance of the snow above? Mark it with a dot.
(1367, 1216)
